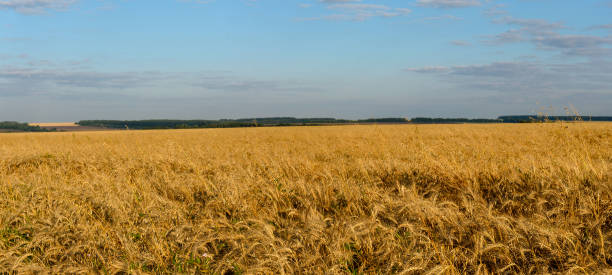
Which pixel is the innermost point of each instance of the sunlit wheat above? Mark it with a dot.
(411, 199)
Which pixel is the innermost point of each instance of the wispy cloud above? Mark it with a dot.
(29, 77)
(525, 78)
(545, 35)
(601, 27)
(357, 11)
(54, 78)
(460, 43)
(448, 4)
(495, 10)
(442, 17)
(338, 1)
(36, 6)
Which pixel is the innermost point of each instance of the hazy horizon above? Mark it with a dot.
(70, 60)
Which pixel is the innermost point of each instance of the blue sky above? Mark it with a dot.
(66, 60)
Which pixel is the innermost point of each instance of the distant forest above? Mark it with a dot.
(428, 120)
(528, 119)
(229, 123)
(24, 127)
(290, 121)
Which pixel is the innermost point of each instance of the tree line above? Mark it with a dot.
(544, 118)
(290, 121)
(228, 123)
(429, 120)
(18, 126)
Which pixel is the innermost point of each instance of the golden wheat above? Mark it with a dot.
(410, 199)
(54, 124)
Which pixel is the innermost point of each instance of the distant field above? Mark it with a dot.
(68, 127)
(366, 199)
(54, 124)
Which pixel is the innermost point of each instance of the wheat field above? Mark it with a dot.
(376, 199)
(54, 124)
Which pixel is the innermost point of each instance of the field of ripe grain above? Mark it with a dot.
(411, 199)
(54, 124)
